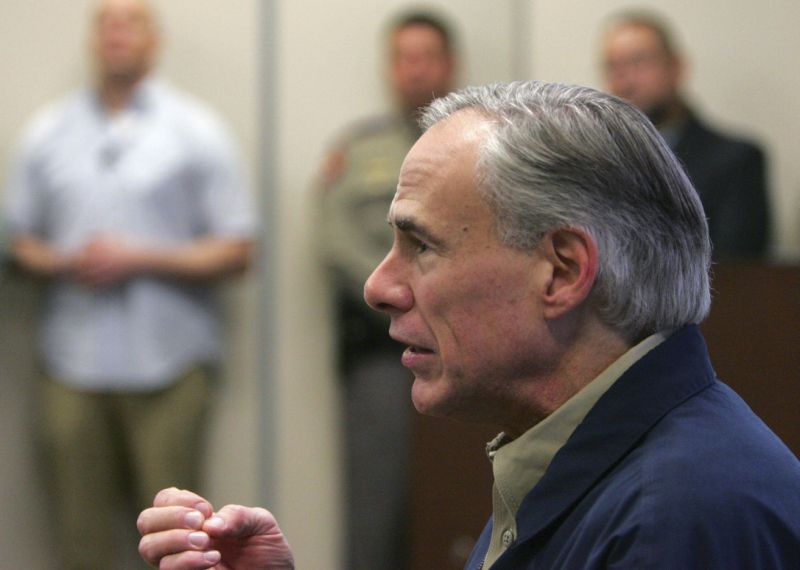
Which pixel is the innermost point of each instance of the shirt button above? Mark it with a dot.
(508, 537)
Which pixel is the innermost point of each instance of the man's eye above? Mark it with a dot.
(422, 247)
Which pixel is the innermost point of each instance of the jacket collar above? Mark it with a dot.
(661, 380)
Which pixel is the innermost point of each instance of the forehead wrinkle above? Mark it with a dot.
(416, 171)
(415, 176)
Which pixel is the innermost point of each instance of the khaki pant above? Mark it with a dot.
(106, 452)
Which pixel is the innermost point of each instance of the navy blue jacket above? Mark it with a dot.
(671, 470)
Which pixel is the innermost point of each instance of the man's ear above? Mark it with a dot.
(573, 265)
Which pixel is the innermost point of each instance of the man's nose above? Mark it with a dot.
(386, 290)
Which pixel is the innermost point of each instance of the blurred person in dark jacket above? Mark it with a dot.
(642, 64)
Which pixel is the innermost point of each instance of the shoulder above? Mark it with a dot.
(376, 144)
(189, 115)
(696, 492)
(718, 426)
(721, 143)
(372, 128)
(53, 119)
(701, 474)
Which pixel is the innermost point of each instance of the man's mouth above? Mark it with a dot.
(417, 358)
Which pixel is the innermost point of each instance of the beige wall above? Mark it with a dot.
(326, 74)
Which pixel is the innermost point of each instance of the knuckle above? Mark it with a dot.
(163, 496)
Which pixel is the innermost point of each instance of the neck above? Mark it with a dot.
(116, 94)
(670, 113)
(579, 359)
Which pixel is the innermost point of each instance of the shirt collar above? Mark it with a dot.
(142, 102)
(558, 426)
(519, 464)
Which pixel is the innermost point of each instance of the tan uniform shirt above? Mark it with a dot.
(354, 236)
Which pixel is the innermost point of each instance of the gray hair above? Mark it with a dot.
(568, 156)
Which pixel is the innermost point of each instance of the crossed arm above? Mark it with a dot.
(108, 259)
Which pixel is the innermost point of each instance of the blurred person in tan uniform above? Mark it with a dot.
(128, 198)
(359, 181)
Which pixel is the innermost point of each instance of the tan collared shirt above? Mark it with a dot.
(519, 464)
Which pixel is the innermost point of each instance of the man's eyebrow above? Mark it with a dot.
(411, 226)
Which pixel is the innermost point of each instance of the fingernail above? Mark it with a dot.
(212, 556)
(215, 523)
(194, 519)
(198, 539)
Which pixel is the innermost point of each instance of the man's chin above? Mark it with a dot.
(424, 397)
(431, 398)
(122, 73)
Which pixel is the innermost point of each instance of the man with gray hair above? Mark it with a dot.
(548, 271)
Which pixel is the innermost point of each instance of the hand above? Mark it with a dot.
(182, 532)
(107, 260)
